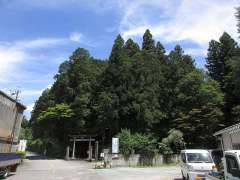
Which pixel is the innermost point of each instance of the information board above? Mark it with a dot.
(115, 145)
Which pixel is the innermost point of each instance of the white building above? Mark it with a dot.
(229, 137)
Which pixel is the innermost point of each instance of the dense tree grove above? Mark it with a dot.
(154, 95)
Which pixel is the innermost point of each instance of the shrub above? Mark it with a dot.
(174, 143)
(22, 153)
(139, 143)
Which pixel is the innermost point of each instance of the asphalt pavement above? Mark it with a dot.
(82, 170)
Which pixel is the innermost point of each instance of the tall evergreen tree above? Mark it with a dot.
(199, 103)
(131, 48)
(160, 51)
(109, 90)
(219, 68)
(219, 54)
(148, 42)
(116, 49)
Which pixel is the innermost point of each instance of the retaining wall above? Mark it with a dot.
(140, 160)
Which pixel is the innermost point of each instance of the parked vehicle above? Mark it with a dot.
(229, 139)
(231, 163)
(195, 163)
(11, 113)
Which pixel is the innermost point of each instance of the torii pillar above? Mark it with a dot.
(73, 150)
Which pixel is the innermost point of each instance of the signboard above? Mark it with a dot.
(115, 145)
(22, 145)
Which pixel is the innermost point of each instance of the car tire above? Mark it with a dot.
(5, 174)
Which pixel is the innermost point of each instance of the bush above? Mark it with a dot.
(22, 153)
(36, 145)
(127, 142)
(139, 143)
(174, 143)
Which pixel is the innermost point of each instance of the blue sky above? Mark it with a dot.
(37, 35)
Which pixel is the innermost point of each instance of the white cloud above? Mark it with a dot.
(76, 36)
(196, 51)
(31, 92)
(40, 42)
(197, 21)
(12, 54)
(30, 107)
(9, 57)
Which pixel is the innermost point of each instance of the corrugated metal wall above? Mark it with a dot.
(231, 141)
(227, 142)
(8, 111)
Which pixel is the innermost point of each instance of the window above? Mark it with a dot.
(199, 158)
(236, 146)
(232, 166)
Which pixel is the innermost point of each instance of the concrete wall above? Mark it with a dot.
(138, 160)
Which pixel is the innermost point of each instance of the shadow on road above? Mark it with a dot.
(36, 156)
(39, 158)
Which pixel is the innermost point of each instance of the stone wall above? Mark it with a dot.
(140, 160)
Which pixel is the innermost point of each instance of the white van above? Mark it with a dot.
(195, 163)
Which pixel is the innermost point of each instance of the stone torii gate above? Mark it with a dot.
(83, 138)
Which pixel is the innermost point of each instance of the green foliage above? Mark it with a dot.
(223, 66)
(37, 145)
(148, 43)
(26, 133)
(22, 153)
(56, 113)
(173, 143)
(146, 144)
(57, 119)
(136, 143)
(165, 149)
(127, 142)
(143, 90)
(200, 100)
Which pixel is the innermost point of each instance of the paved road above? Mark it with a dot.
(81, 170)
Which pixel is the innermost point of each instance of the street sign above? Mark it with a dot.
(115, 145)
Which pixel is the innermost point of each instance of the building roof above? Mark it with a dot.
(231, 129)
(13, 100)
